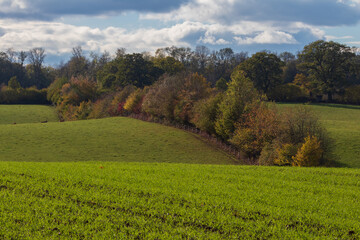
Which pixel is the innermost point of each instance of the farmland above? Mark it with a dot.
(159, 200)
(120, 178)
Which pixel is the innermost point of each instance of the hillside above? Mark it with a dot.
(110, 139)
(10, 114)
(343, 125)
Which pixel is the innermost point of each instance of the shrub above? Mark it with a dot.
(116, 107)
(288, 93)
(83, 110)
(134, 101)
(285, 154)
(101, 108)
(268, 155)
(54, 90)
(352, 95)
(310, 153)
(78, 90)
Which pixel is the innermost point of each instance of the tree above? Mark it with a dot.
(168, 64)
(264, 70)
(36, 57)
(13, 83)
(327, 64)
(238, 96)
(131, 69)
(259, 128)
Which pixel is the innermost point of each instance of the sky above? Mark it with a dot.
(146, 25)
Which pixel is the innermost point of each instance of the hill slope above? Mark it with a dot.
(110, 139)
(10, 114)
(343, 125)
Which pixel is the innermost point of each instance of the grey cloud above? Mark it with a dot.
(49, 9)
(315, 12)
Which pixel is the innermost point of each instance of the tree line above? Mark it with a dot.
(223, 93)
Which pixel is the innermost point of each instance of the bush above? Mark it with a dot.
(116, 107)
(23, 96)
(54, 90)
(134, 101)
(268, 155)
(78, 90)
(101, 108)
(310, 153)
(285, 154)
(287, 93)
(352, 95)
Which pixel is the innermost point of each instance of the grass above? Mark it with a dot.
(120, 178)
(110, 139)
(10, 114)
(107, 200)
(343, 125)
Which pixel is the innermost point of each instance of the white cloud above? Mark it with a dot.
(267, 37)
(331, 38)
(58, 38)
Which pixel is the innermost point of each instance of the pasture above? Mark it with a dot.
(109, 139)
(10, 114)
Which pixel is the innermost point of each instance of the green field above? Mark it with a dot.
(10, 114)
(120, 178)
(110, 139)
(107, 200)
(343, 125)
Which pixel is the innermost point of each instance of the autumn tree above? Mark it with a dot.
(238, 96)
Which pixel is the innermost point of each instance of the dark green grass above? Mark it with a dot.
(110, 139)
(343, 125)
(10, 114)
(96, 200)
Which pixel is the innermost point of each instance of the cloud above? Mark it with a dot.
(59, 38)
(313, 12)
(50, 9)
(267, 37)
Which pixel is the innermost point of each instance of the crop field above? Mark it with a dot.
(343, 125)
(10, 114)
(107, 200)
(120, 178)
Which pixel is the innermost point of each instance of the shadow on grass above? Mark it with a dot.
(334, 105)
